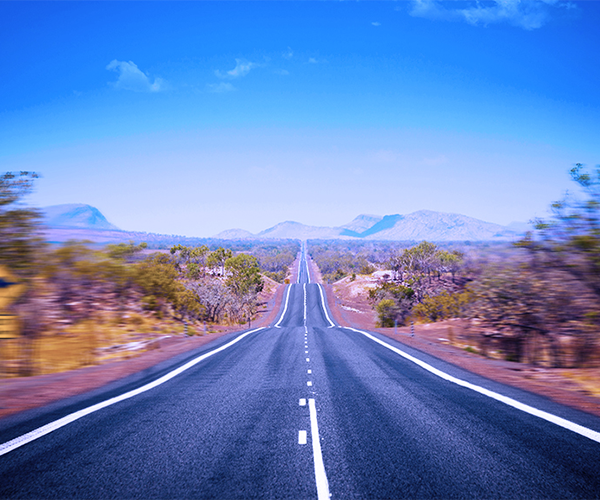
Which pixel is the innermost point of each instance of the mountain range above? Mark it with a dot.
(420, 225)
(79, 221)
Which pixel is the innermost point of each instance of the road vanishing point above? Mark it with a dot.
(302, 409)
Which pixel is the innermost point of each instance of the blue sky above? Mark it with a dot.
(195, 117)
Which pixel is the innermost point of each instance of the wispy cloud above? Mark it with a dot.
(242, 68)
(288, 54)
(376, 23)
(219, 88)
(132, 78)
(283, 72)
(526, 14)
(312, 60)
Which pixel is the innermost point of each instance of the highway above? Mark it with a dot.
(302, 409)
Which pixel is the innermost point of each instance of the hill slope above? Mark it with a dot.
(436, 226)
(76, 215)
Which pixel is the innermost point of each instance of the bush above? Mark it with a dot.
(386, 312)
(442, 306)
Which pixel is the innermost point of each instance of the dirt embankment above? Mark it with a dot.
(451, 341)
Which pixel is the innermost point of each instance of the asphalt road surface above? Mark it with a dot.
(302, 409)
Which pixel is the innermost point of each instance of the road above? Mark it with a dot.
(301, 409)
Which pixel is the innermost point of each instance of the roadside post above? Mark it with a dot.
(412, 329)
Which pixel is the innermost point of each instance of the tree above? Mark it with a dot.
(158, 278)
(125, 251)
(212, 295)
(217, 259)
(382, 298)
(19, 227)
(244, 275)
(532, 306)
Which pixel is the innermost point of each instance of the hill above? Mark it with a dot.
(416, 226)
(76, 215)
(436, 226)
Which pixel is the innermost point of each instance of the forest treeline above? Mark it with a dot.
(536, 301)
(55, 288)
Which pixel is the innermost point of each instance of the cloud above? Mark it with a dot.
(312, 60)
(242, 68)
(219, 88)
(283, 72)
(288, 54)
(526, 14)
(131, 78)
(376, 23)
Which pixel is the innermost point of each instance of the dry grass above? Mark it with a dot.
(88, 343)
(587, 379)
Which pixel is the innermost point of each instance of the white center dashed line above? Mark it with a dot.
(309, 371)
(309, 383)
(301, 437)
(302, 402)
(304, 288)
(307, 360)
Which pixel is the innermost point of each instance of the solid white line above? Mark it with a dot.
(320, 476)
(309, 383)
(303, 402)
(307, 270)
(61, 422)
(301, 437)
(567, 424)
(325, 308)
(304, 288)
(287, 298)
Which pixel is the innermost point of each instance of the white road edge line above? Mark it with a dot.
(320, 476)
(566, 424)
(61, 422)
(325, 308)
(287, 298)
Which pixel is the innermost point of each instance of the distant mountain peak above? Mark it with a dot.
(76, 215)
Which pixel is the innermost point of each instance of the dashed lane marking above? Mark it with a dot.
(301, 437)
